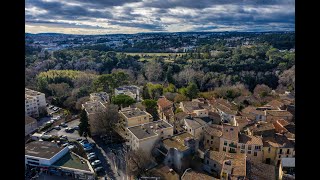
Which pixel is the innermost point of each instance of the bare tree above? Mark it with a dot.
(137, 162)
(261, 91)
(153, 71)
(105, 120)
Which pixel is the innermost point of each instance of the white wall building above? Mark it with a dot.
(132, 91)
(43, 153)
(144, 136)
(34, 101)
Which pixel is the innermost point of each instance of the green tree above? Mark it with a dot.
(192, 91)
(151, 107)
(155, 90)
(84, 126)
(123, 100)
(170, 88)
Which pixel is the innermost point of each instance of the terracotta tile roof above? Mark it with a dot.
(253, 110)
(258, 127)
(275, 104)
(165, 171)
(29, 120)
(278, 140)
(190, 106)
(195, 175)
(280, 113)
(238, 165)
(242, 120)
(250, 140)
(230, 132)
(168, 112)
(279, 125)
(213, 130)
(180, 115)
(218, 156)
(224, 105)
(260, 171)
(164, 102)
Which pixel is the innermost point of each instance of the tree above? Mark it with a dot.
(81, 101)
(123, 100)
(179, 98)
(155, 90)
(192, 91)
(261, 91)
(151, 107)
(84, 126)
(104, 121)
(153, 71)
(137, 162)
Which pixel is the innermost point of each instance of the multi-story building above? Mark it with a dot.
(134, 116)
(277, 147)
(229, 138)
(273, 115)
(132, 91)
(178, 151)
(259, 115)
(212, 134)
(100, 96)
(194, 108)
(165, 110)
(226, 110)
(145, 136)
(195, 125)
(35, 102)
(31, 125)
(48, 155)
(251, 146)
(225, 165)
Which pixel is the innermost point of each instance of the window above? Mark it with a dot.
(243, 146)
(207, 161)
(231, 129)
(225, 143)
(288, 151)
(224, 149)
(208, 141)
(242, 151)
(211, 142)
(33, 159)
(190, 130)
(249, 147)
(279, 156)
(214, 165)
(33, 163)
(255, 153)
(211, 137)
(249, 152)
(269, 150)
(280, 151)
(257, 147)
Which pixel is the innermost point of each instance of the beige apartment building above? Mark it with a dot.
(134, 116)
(251, 146)
(34, 102)
(144, 136)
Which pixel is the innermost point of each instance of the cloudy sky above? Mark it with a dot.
(134, 16)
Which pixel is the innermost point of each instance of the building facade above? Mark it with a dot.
(35, 102)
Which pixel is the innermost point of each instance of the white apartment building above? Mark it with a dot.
(132, 91)
(144, 136)
(34, 101)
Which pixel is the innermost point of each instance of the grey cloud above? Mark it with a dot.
(63, 24)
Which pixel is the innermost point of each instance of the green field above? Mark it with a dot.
(168, 57)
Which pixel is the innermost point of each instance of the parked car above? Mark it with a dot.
(71, 146)
(88, 148)
(63, 124)
(91, 154)
(79, 139)
(96, 162)
(50, 107)
(84, 141)
(98, 169)
(58, 117)
(69, 130)
(65, 144)
(91, 158)
(76, 127)
(55, 108)
(57, 127)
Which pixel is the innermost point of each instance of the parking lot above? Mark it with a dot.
(72, 135)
